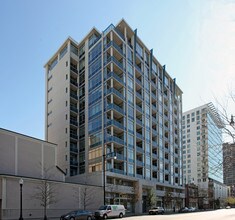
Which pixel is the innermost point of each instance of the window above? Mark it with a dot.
(74, 49)
(53, 63)
(94, 53)
(139, 49)
(63, 51)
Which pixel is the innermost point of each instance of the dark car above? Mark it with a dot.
(156, 210)
(78, 215)
(183, 210)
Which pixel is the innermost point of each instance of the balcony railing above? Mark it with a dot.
(116, 107)
(116, 92)
(139, 108)
(139, 122)
(74, 109)
(138, 135)
(74, 96)
(115, 139)
(74, 82)
(73, 136)
(74, 69)
(115, 76)
(73, 122)
(115, 123)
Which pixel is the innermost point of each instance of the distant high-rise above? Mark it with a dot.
(108, 95)
(229, 166)
(202, 151)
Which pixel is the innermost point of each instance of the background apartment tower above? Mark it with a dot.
(229, 166)
(202, 152)
(108, 95)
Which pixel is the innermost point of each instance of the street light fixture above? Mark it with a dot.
(231, 121)
(21, 182)
(104, 159)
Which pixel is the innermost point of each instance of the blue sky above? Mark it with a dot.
(195, 39)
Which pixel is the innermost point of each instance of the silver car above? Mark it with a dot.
(156, 210)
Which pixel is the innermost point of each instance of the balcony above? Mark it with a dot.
(116, 92)
(139, 149)
(139, 163)
(115, 123)
(74, 136)
(116, 77)
(138, 69)
(73, 96)
(138, 135)
(73, 163)
(139, 95)
(74, 109)
(73, 149)
(114, 60)
(154, 143)
(139, 108)
(74, 82)
(116, 108)
(74, 70)
(115, 139)
(73, 122)
(139, 122)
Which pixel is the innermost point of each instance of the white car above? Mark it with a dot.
(106, 211)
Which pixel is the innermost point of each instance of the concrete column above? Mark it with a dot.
(139, 202)
(4, 193)
(16, 155)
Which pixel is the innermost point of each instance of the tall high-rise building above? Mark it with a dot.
(110, 102)
(229, 166)
(202, 151)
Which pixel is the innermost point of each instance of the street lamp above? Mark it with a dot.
(231, 121)
(21, 182)
(104, 159)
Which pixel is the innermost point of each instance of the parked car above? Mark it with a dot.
(156, 210)
(228, 207)
(78, 215)
(106, 211)
(191, 209)
(183, 210)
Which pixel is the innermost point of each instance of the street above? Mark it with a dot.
(225, 214)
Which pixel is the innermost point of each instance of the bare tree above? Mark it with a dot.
(167, 199)
(45, 191)
(83, 194)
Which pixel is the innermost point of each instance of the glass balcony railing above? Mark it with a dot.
(116, 92)
(138, 81)
(73, 163)
(139, 122)
(115, 123)
(120, 156)
(140, 176)
(154, 132)
(73, 122)
(112, 27)
(73, 69)
(138, 68)
(113, 59)
(115, 139)
(116, 107)
(73, 149)
(153, 95)
(154, 143)
(139, 163)
(117, 171)
(73, 136)
(74, 96)
(74, 82)
(74, 109)
(138, 135)
(154, 108)
(139, 149)
(139, 95)
(139, 108)
(115, 76)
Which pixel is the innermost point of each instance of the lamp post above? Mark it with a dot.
(104, 159)
(231, 121)
(21, 182)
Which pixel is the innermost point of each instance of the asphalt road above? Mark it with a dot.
(221, 214)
